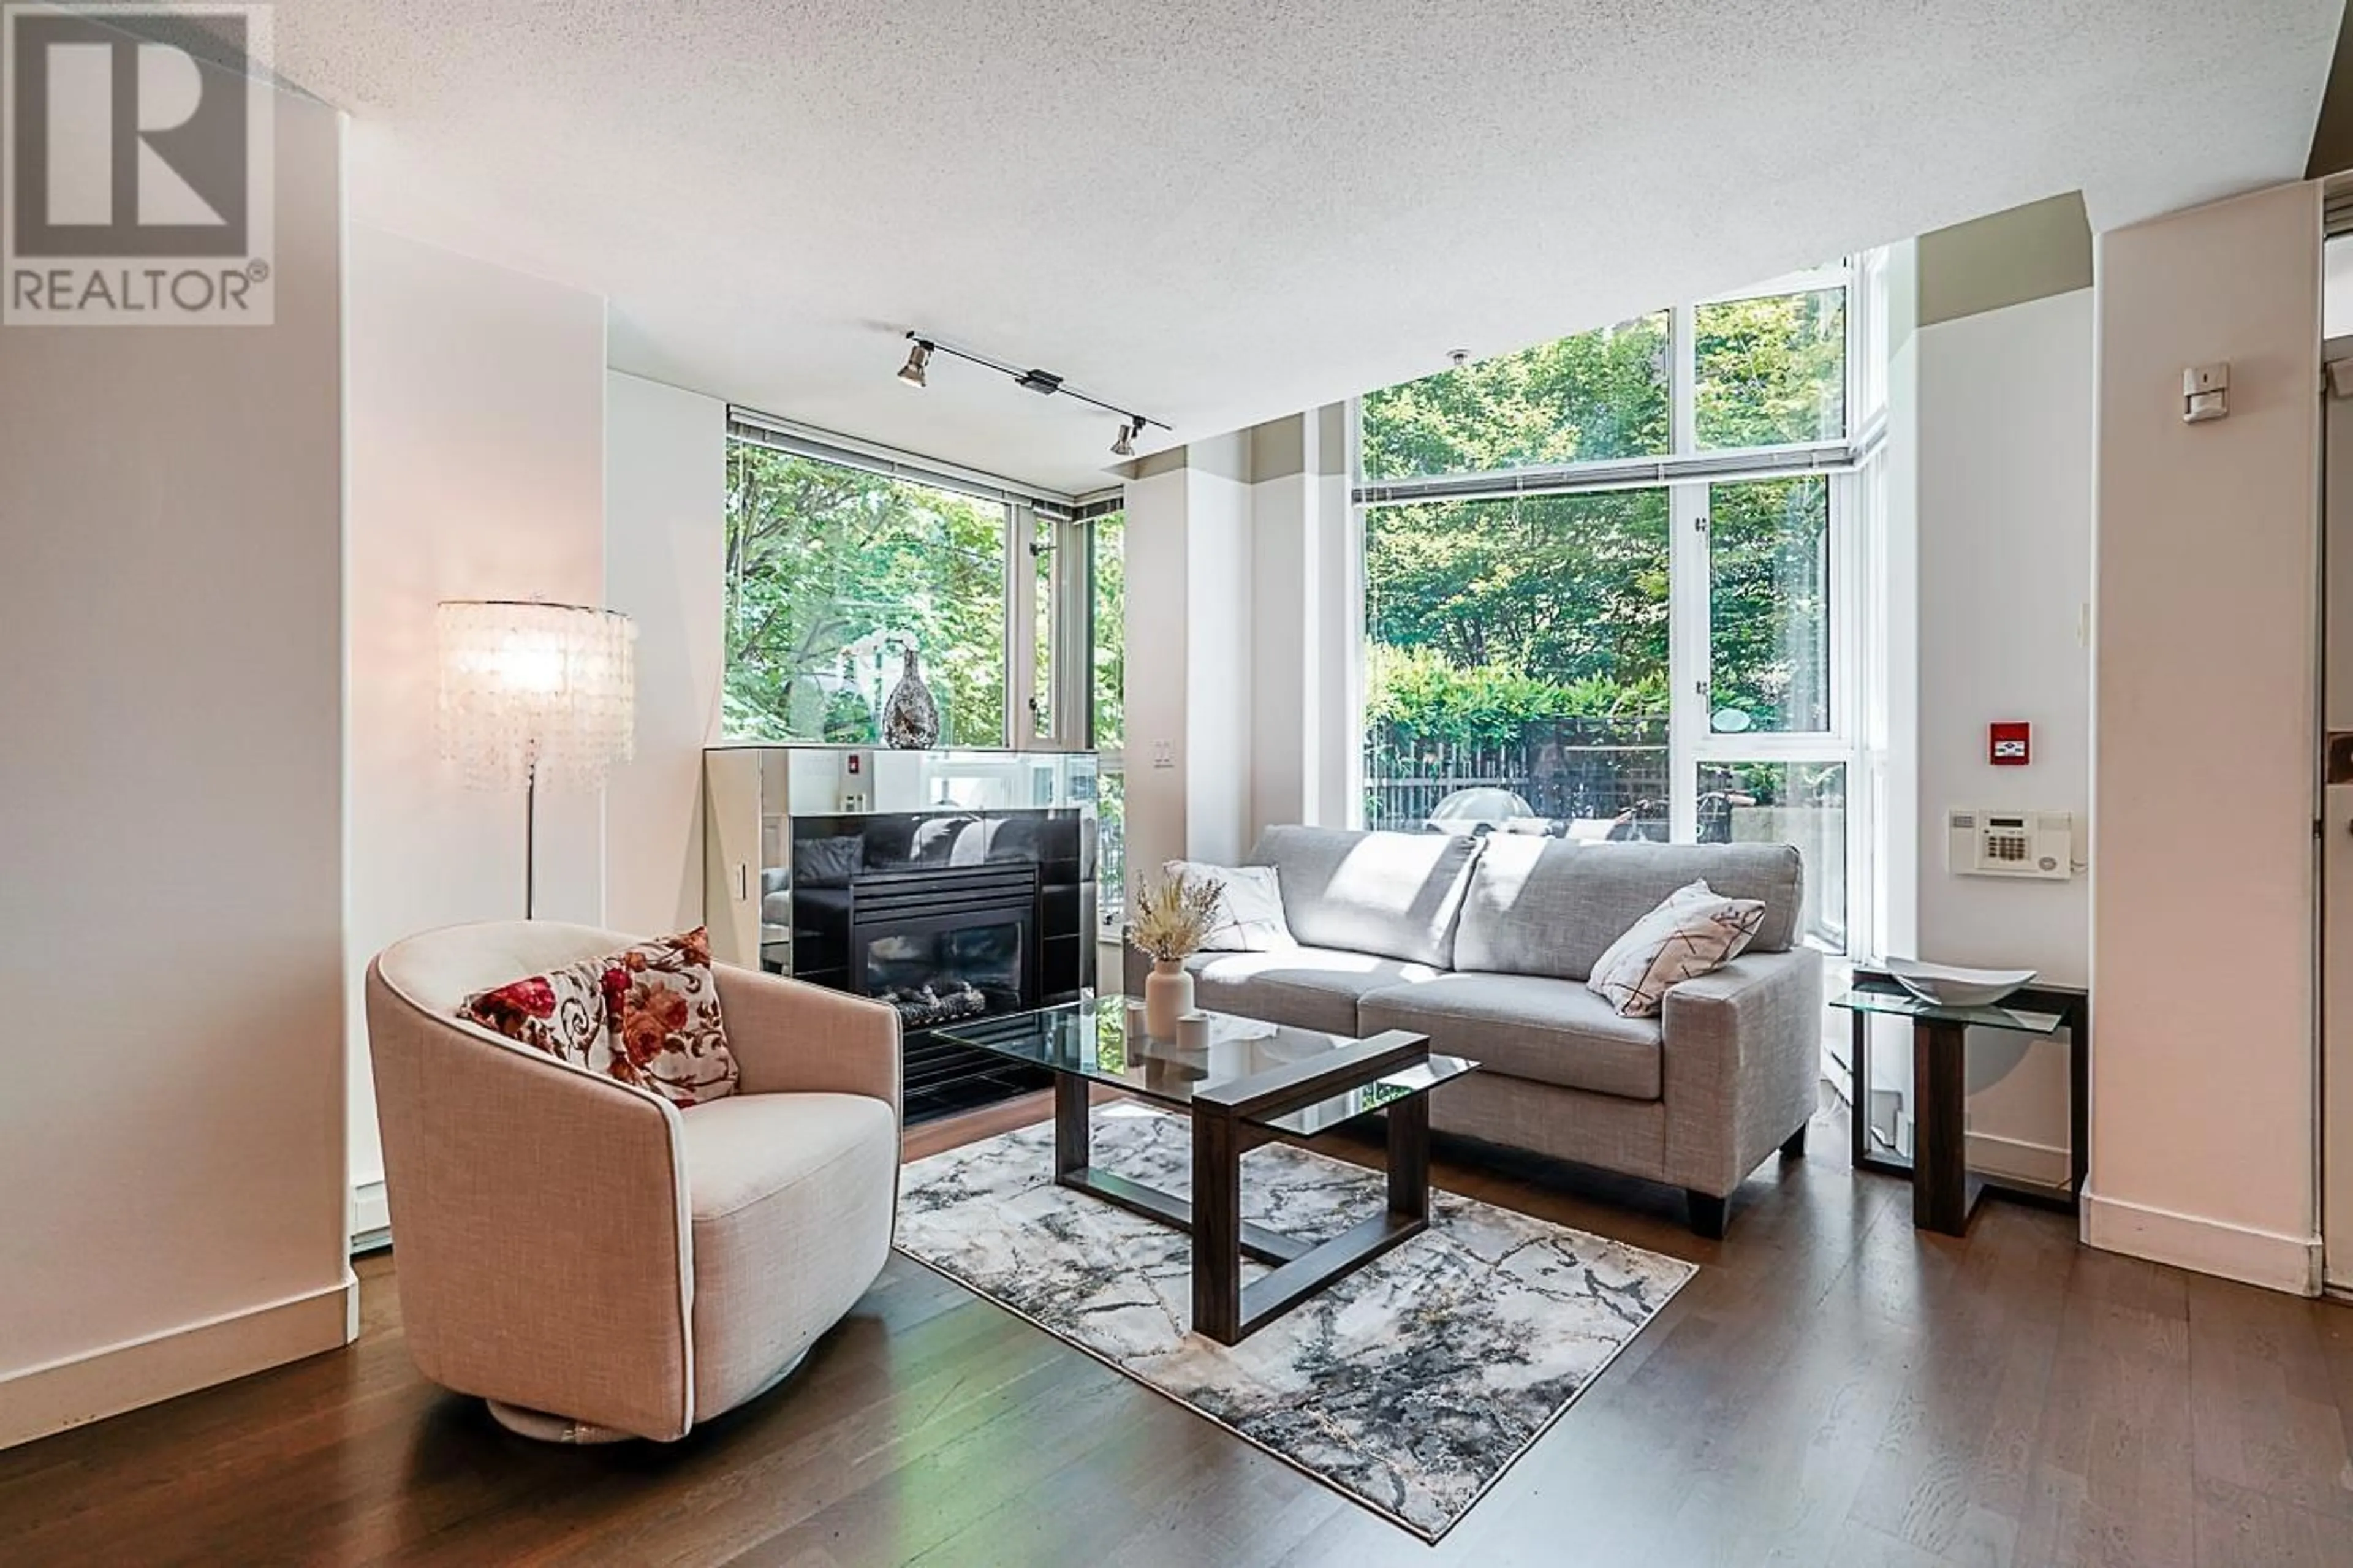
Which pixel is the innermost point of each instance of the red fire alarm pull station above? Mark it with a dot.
(2009, 745)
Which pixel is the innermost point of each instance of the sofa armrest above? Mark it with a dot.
(1741, 1063)
(541, 1216)
(791, 1036)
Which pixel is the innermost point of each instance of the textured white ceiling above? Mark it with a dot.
(1223, 212)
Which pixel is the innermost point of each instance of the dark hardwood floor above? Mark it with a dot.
(1835, 1387)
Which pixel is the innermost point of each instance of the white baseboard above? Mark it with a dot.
(2017, 1160)
(2273, 1259)
(42, 1400)
(371, 1216)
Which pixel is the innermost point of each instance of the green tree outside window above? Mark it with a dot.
(830, 571)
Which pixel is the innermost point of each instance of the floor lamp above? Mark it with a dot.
(535, 694)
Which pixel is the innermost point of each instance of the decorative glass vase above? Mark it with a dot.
(910, 719)
(1167, 997)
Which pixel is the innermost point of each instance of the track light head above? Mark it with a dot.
(1125, 446)
(919, 359)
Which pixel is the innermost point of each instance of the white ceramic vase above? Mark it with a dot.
(1167, 997)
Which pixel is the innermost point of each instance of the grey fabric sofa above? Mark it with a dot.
(1484, 946)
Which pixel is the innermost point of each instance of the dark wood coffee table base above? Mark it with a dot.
(1224, 1307)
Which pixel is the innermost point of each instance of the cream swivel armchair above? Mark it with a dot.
(594, 1262)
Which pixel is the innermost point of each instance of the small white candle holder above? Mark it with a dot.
(1192, 1031)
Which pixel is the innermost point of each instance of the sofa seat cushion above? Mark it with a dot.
(791, 1198)
(1526, 1026)
(1306, 987)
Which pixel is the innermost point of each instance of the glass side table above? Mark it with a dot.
(1944, 1193)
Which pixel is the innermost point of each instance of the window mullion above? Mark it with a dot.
(1020, 624)
(1683, 381)
(1075, 659)
(1687, 604)
(1687, 654)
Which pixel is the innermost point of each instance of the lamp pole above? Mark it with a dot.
(530, 833)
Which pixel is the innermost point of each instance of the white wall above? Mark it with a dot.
(1189, 637)
(1189, 593)
(1289, 641)
(476, 469)
(665, 564)
(2202, 1102)
(2003, 463)
(170, 911)
(1155, 539)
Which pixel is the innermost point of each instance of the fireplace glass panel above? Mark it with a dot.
(943, 976)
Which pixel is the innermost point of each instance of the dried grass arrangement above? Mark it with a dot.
(1175, 915)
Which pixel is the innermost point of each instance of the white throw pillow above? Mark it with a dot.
(1250, 909)
(1693, 931)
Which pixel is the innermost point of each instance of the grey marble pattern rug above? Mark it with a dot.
(1410, 1386)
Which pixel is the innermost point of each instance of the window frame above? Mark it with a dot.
(1688, 474)
(1111, 760)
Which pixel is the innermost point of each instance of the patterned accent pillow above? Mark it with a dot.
(561, 1011)
(647, 1016)
(1693, 931)
(661, 1003)
(1250, 906)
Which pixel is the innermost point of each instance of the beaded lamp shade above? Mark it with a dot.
(536, 694)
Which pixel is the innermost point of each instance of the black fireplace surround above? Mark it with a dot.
(948, 915)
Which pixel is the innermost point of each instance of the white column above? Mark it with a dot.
(2204, 768)
(1302, 621)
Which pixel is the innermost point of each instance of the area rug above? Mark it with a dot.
(1410, 1386)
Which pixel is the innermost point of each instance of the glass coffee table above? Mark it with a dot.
(1254, 1082)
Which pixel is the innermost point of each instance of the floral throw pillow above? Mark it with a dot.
(561, 1011)
(661, 1003)
(1693, 931)
(647, 1016)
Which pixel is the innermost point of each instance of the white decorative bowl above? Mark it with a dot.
(1949, 985)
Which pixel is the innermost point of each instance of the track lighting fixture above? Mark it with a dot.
(1045, 383)
(919, 359)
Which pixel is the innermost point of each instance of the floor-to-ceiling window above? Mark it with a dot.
(1610, 583)
(840, 562)
(833, 575)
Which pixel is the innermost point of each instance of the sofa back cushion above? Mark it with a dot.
(1546, 906)
(1397, 895)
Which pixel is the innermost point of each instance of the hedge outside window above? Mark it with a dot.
(1519, 644)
